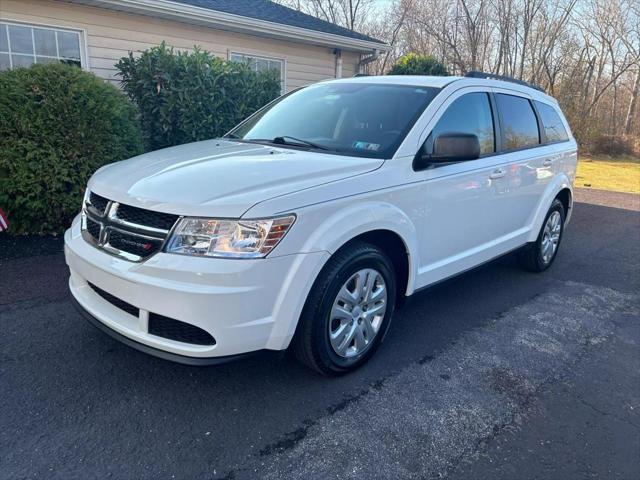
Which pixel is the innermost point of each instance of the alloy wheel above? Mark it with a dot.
(357, 313)
(551, 237)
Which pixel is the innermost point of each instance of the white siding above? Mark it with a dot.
(111, 35)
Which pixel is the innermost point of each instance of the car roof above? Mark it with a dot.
(414, 80)
(443, 81)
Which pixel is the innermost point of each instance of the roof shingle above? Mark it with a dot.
(273, 12)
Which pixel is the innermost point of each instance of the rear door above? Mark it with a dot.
(530, 166)
(559, 148)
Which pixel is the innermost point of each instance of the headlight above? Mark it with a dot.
(228, 238)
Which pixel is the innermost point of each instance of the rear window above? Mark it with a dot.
(554, 130)
(519, 123)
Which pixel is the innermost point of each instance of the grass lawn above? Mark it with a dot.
(620, 174)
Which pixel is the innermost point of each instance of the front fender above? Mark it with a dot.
(321, 231)
(559, 183)
(349, 222)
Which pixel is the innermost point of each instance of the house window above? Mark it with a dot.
(24, 45)
(260, 64)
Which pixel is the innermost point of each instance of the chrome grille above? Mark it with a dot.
(93, 228)
(141, 216)
(123, 230)
(98, 203)
(131, 243)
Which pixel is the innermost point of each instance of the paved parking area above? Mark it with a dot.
(496, 374)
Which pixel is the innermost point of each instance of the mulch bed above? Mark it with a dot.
(22, 246)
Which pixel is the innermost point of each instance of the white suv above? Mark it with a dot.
(306, 225)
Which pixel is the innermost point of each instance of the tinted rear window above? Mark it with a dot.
(553, 127)
(519, 123)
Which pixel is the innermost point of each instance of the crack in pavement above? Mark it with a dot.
(291, 439)
(602, 412)
(425, 420)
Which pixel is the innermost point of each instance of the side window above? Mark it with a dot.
(520, 126)
(260, 64)
(471, 113)
(553, 127)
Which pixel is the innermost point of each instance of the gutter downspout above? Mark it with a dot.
(368, 59)
(338, 54)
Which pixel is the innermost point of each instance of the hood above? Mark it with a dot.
(220, 178)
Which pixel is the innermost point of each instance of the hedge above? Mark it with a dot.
(190, 96)
(414, 64)
(58, 125)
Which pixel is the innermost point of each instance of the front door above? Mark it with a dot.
(462, 211)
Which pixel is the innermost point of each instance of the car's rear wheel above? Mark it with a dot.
(539, 255)
(348, 310)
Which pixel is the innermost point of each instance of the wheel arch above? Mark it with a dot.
(377, 223)
(392, 244)
(566, 197)
(559, 188)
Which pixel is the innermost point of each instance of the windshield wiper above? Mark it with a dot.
(282, 140)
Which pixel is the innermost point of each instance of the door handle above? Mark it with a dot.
(499, 173)
(549, 161)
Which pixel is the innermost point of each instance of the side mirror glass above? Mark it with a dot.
(456, 147)
(451, 147)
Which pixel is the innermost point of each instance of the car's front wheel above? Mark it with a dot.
(348, 310)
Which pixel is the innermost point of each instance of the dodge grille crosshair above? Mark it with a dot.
(123, 230)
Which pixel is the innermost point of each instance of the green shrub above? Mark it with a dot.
(58, 124)
(189, 96)
(414, 64)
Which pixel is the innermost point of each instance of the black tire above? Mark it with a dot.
(311, 344)
(531, 256)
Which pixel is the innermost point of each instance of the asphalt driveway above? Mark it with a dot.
(496, 374)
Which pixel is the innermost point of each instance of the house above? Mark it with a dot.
(95, 34)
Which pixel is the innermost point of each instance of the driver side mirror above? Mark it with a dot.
(449, 148)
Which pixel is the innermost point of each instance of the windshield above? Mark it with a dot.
(368, 120)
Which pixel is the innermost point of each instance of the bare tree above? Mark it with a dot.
(389, 26)
(631, 39)
(584, 52)
(351, 14)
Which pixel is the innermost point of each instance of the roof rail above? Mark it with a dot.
(492, 76)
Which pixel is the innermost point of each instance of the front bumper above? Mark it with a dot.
(246, 305)
(194, 361)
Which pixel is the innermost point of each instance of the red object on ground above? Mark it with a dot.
(4, 221)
